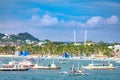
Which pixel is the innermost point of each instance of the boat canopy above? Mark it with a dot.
(65, 55)
(20, 53)
(24, 53)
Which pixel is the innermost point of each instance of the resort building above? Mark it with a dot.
(116, 50)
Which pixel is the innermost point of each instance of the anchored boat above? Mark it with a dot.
(104, 66)
(13, 67)
(78, 72)
(49, 67)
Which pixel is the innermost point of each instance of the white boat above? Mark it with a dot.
(13, 67)
(26, 64)
(49, 67)
(104, 66)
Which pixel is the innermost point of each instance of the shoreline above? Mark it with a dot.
(60, 57)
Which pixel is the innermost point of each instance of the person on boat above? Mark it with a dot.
(80, 70)
(105, 63)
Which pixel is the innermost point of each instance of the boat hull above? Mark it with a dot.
(28, 66)
(100, 68)
(9, 69)
(49, 68)
(75, 74)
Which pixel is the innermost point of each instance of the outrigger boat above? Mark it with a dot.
(13, 67)
(104, 66)
(49, 67)
(25, 64)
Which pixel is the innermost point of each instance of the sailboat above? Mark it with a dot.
(78, 72)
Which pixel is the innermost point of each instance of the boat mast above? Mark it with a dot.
(78, 67)
(72, 67)
(74, 37)
(85, 37)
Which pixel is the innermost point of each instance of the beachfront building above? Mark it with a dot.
(116, 50)
(90, 43)
(41, 43)
(115, 47)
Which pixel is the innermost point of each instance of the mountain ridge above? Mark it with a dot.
(17, 37)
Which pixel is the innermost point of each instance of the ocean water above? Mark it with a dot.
(55, 75)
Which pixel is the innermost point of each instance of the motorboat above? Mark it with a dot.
(13, 67)
(104, 66)
(48, 67)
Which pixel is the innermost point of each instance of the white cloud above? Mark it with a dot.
(100, 21)
(45, 20)
(35, 18)
(113, 20)
(74, 24)
(93, 21)
(48, 20)
(36, 22)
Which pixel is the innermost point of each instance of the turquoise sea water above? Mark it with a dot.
(55, 75)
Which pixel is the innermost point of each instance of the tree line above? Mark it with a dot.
(58, 48)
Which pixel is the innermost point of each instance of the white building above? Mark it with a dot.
(115, 47)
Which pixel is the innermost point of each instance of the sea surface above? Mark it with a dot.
(55, 74)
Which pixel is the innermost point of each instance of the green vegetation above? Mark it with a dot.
(22, 37)
(58, 48)
(51, 48)
(1, 35)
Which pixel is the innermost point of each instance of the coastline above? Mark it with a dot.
(60, 57)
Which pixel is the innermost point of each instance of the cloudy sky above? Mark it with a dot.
(56, 19)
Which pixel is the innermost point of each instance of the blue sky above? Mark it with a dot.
(56, 19)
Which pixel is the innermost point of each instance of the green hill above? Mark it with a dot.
(17, 37)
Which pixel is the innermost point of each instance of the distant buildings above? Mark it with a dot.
(41, 43)
(115, 48)
(6, 37)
